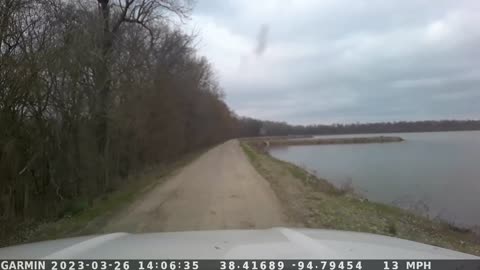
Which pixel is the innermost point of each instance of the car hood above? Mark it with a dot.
(276, 243)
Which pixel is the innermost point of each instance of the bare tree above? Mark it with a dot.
(141, 12)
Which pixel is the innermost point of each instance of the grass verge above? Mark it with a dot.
(316, 203)
(91, 220)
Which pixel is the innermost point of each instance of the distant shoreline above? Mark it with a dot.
(394, 132)
(285, 140)
(254, 127)
(294, 136)
(352, 140)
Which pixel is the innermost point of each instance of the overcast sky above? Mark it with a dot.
(329, 61)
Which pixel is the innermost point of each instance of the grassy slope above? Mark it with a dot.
(91, 220)
(318, 204)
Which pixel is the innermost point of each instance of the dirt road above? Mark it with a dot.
(219, 190)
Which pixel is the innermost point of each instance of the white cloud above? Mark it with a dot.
(342, 59)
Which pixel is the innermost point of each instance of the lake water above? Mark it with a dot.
(436, 174)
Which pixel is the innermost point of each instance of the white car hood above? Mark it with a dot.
(276, 243)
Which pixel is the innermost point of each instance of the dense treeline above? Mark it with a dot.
(253, 127)
(92, 91)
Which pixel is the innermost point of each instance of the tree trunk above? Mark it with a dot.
(103, 86)
(26, 197)
(103, 79)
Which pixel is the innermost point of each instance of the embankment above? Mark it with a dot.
(269, 138)
(318, 204)
(314, 141)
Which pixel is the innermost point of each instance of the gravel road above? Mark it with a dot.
(219, 190)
